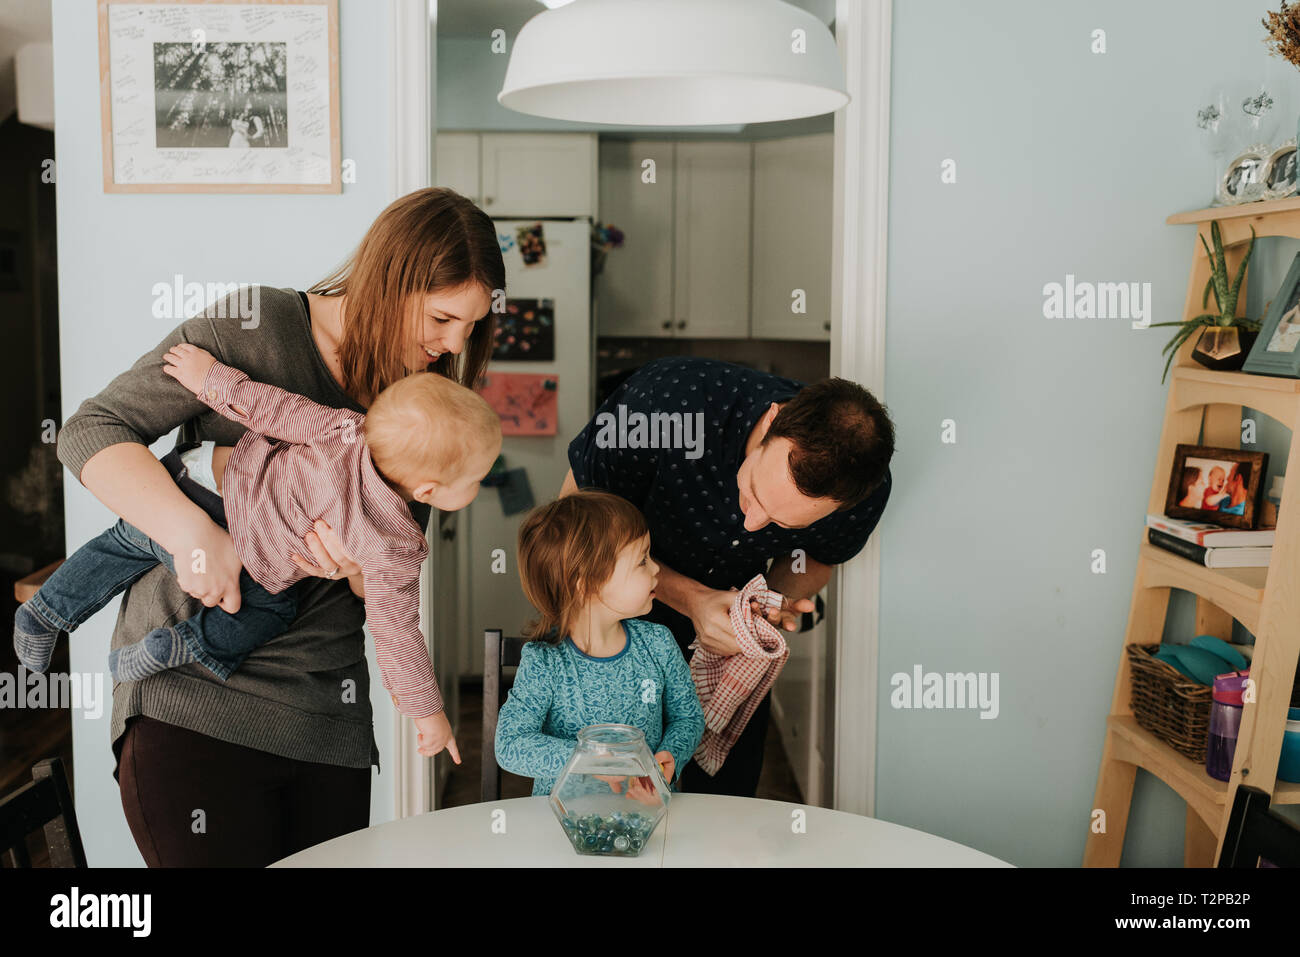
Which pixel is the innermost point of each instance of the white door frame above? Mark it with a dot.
(411, 122)
(860, 224)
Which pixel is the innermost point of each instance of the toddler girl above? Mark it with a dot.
(584, 562)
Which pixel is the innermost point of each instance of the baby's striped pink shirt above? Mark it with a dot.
(298, 462)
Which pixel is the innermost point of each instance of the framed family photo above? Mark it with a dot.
(1214, 485)
(1277, 347)
(220, 96)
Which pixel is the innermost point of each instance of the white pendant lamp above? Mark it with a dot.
(674, 63)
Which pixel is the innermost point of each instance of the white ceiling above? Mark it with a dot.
(478, 18)
(21, 22)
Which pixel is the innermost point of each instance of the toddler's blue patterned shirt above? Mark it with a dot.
(559, 690)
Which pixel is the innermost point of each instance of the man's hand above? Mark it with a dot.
(806, 583)
(788, 615)
(710, 613)
(188, 364)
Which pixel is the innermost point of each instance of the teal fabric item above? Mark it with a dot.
(1224, 650)
(1169, 656)
(1196, 663)
(1203, 665)
(559, 690)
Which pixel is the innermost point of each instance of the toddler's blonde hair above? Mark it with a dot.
(425, 427)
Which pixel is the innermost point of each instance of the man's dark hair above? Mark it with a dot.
(842, 440)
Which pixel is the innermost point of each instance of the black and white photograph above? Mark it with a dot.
(1279, 172)
(1242, 179)
(220, 97)
(228, 95)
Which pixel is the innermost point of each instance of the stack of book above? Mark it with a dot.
(1211, 545)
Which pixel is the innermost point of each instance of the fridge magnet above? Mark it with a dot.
(526, 403)
(525, 330)
(496, 474)
(516, 494)
(220, 97)
(532, 244)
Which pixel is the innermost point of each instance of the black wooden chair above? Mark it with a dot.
(1256, 832)
(45, 802)
(499, 653)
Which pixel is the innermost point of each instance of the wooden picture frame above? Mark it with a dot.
(309, 161)
(1207, 459)
(1277, 351)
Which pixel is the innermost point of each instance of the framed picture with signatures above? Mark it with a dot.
(224, 96)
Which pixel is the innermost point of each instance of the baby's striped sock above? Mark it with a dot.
(34, 638)
(157, 651)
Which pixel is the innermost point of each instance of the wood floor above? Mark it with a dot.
(776, 782)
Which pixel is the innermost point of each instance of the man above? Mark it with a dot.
(762, 469)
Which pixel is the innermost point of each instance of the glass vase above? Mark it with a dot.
(611, 795)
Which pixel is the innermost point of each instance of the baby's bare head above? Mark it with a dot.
(425, 428)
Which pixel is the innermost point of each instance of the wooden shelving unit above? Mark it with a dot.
(1204, 407)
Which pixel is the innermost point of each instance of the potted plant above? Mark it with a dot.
(1226, 338)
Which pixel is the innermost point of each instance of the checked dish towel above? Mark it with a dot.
(731, 687)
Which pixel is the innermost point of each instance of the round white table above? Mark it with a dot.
(700, 830)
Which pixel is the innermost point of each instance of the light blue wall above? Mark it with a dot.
(1067, 162)
(114, 247)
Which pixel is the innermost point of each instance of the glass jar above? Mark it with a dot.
(611, 794)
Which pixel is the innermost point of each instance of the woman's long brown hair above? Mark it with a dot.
(427, 241)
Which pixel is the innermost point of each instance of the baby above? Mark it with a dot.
(584, 562)
(425, 439)
(1214, 494)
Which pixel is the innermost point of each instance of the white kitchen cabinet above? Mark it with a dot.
(635, 288)
(520, 174)
(538, 174)
(711, 251)
(719, 245)
(456, 164)
(792, 237)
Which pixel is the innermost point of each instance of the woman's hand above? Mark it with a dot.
(331, 558)
(207, 566)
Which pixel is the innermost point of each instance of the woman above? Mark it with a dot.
(1193, 487)
(277, 758)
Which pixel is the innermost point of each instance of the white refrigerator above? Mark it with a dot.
(494, 599)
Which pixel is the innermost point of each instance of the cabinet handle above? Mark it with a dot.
(681, 324)
(489, 200)
(826, 326)
(668, 323)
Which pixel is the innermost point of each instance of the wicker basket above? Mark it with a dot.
(1167, 703)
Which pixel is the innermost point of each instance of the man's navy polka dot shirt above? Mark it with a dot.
(692, 505)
